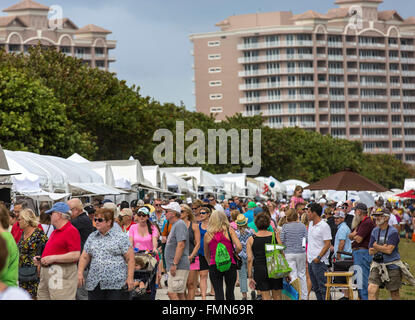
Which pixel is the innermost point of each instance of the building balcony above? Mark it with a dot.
(335, 44)
(352, 84)
(407, 73)
(374, 45)
(375, 136)
(351, 57)
(335, 57)
(265, 72)
(396, 124)
(409, 137)
(377, 150)
(337, 98)
(409, 124)
(353, 97)
(409, 149)
(408, 99)
(368, 58)
(373, 97)
(408, 60)
(273, 85)
(394, 58)
(407, 48)
(336, 70)
(351, 44)
(264, 99)
(274, 44)
(355, 136)
(373, 84)
(354, 123)
(375, 110)
(334, 84)
(408, 111)
(337, 111)
(323, 110)
(375, 71)
(324, 123)
(352, 70)
(338, 124)
(408, 85)
(354, 110)
(377, 123)
(281, 57)
(83, 56)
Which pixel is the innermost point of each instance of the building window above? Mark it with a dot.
(215, 70)
(216, 96)
(215, 56)
(216, 110)
(213, 43)
(215, 83)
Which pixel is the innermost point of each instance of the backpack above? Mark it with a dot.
(222, 258)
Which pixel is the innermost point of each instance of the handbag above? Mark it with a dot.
(277, 265)
(28, 274)
(237, 258)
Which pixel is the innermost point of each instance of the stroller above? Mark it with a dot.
(146, 274)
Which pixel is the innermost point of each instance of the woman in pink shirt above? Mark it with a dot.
(297, 197)
(143, 235)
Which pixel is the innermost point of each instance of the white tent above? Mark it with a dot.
(409, 185)
(235, 184)
(77, 158)
(103, 169)
(152, 174)
(203, 178)
(177, 183)
(53, 175)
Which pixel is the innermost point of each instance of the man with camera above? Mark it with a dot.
(383, 247)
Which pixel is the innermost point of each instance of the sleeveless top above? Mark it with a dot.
(258, 249)
(219, 237)
(202, 243)
(191, 238)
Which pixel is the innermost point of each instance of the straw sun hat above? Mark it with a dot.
(241, 220)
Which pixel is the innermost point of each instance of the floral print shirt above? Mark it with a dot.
(108, 266)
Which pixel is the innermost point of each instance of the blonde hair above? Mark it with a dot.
(282, 221)
(235, 214)
(188, 211)
(218, 222)
(291, 215)
(29, 216)
(304, 219)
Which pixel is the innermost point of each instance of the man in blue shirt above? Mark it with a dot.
(341, 241)
(383, 245)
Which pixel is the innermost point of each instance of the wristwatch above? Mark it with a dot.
(319, 258)
(174, 264)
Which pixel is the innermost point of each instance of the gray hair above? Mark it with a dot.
(66, 216)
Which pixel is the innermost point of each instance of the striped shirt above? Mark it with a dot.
(292, 235)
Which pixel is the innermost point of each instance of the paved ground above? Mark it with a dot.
(162, 295)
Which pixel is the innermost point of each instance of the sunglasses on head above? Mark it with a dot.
(99, 219)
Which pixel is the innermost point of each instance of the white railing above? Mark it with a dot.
(408, 99)
(373, 84)
(408, 85)
(354, 110)
(369, 44)
(336, 84)
(337, 111)
(408, 60)
(337, 98)
(372, 97)
(324, 123)
(335, 44)
(377, 123)
(375, 110)
(353, 84)
(409, 124)
(338, 124)
(352, 57)
(336, 57)
(353, 96)
(407, 47)
(336, 70)
(273, 44)
(375, 136)
(354, 136)
(273, 85)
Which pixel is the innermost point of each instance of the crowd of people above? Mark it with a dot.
(100, 250)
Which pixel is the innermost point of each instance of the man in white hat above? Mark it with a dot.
(176, 253)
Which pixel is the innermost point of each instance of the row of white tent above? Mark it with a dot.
(50, 178)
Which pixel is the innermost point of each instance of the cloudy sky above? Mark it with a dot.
(153, 49)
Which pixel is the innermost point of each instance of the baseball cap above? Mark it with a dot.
(144, 210)
(283, 200)
(106, 201)
(322, 200)
(173, 206)
(382, 212)
(339, 214)
(59, 207)
(360, 206)
(90, 209)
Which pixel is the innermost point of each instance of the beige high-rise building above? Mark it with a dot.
(27, 24)
(349, 72)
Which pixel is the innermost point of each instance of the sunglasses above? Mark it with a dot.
(157, 205)
(141, 215)
(203, 212)
(99, 220)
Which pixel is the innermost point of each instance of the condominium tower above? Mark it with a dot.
(27, 24)
(349, 72)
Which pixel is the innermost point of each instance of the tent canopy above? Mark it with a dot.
(347, 180)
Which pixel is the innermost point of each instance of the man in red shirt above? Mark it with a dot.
(360, 246)
(16, 230)
(58, 264)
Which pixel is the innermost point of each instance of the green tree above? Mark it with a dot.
(32, 119)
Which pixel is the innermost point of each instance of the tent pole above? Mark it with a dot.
(347, 195)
